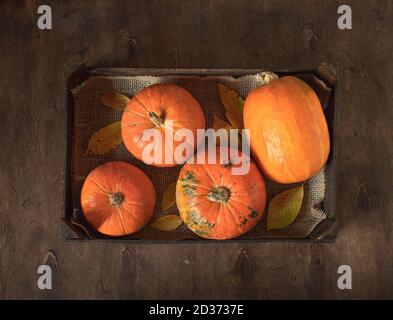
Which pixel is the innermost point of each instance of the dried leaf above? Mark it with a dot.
(114, 100)
(105, 139)
(233, 104)
(220, 124)
(284, 208)
(169, 196)
(167, 223)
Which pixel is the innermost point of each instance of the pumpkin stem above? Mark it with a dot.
(268, 76)
(220, 194)
(116, 199)
(157, 120)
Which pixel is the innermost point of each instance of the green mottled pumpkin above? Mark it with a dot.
(216, 204)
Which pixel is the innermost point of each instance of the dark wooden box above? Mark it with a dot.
(324, 232)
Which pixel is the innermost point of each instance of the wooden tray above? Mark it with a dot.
(324, 232)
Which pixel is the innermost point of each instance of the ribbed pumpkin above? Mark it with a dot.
(117, 198)
(216, 204)
(289, 135)
(156, 107)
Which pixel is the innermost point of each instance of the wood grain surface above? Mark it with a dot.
(193, 34)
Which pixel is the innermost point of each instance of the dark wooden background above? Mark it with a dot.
(193, 34)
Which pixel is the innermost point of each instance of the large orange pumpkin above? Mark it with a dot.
(117, 198)
(159, 106)
(216, 204)
(289, 136)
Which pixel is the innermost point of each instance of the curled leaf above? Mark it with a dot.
(114, 100)
(284, 208)
(167, 223)
(105, 139)
(233, 104)
(169, 196)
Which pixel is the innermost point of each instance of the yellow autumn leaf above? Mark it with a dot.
(233, 104)
(169, 196)
(114, 100)
(167, 223)
(105, 139)
(284, 208)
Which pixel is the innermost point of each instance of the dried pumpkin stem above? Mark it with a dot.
(220, 194)
(268, 77)
(157, 120)
(116, 199)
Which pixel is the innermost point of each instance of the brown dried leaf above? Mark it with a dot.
(105, 139)
(114, 100)
(221, 124)
(233, 104)
(167, 223)
(169, 196)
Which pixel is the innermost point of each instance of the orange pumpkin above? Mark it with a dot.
(167, 108)
(289, 135)
(216, 204)
(117, 198)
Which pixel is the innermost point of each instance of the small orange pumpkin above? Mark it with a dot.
(117, 198)
(156, 107)
(216, 204)
(289, 135)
